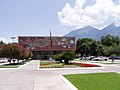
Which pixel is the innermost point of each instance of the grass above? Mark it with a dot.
(97, 81)
(108, 63)
(111, 63)
(12, 65)
(81, 60)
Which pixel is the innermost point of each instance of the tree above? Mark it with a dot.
(58, 57)
(67, 55)
(110, 40)
(0, 52)
(30, 55)
(1, 42)
(111, 50)
(110, 45)
(99, 49)
(14, 51)
(86, 46)
(27, 54)
(11, 51)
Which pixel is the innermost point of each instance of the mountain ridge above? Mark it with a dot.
(96, 34)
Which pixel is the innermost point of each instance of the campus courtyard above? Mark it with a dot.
(30, 77)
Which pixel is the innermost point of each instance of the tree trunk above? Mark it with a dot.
(9, 60)
(18, 61)
(61, 61)
(66, 61)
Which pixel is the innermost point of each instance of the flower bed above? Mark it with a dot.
(86, 65)
(47, 63)
(51, 65)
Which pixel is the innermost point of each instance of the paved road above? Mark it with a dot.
(29, 78)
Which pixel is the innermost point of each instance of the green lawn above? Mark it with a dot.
(81, 60)
(15, 65)
(111, 63)
(97, 81)
(107, 63)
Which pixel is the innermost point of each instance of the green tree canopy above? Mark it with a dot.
(110, 40)
(14, 51)
(87, 46)
(110, 44)
(66, 56)
(108, 51)
(1, 42)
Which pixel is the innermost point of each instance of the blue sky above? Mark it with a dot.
(30, 17)
(37, 17)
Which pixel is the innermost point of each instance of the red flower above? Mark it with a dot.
(86, 64)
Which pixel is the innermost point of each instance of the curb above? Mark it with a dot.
(79, 68)
(72, 87)
(15, 68)
(23, 65)
(38, 65)
(70, 68)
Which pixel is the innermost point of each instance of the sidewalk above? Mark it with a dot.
(19, 79)
(49, 80)
(29, 78)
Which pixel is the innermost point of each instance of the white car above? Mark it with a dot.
(101, 58)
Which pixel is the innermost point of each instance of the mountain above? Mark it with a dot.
(91, 32)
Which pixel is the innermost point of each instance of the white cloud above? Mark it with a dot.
(5, 40)
(99, 15)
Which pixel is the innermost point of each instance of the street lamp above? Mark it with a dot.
(13, 37)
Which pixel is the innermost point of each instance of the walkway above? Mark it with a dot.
(19, 79)
(29, 78)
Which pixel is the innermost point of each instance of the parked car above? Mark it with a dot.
(3, 59)
(91, 57)
(87, 58)
(114, 57)
(100, 58)
(83, 58)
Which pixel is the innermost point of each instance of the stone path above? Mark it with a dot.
(29, 78)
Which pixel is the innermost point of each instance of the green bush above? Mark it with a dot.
(113, 55)
(66, 56)
(58, 57)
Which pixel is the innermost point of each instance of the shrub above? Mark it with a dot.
(68, 55)
(58, 57)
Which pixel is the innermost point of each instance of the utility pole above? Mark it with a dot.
(13, 38)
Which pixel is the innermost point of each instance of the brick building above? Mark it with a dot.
(46, 47)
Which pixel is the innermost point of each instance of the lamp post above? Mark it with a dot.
(13, 38)
(51, 44)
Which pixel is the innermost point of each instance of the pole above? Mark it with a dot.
(51, 43)
(13, 37)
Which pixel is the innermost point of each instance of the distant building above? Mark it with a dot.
(46, 47)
